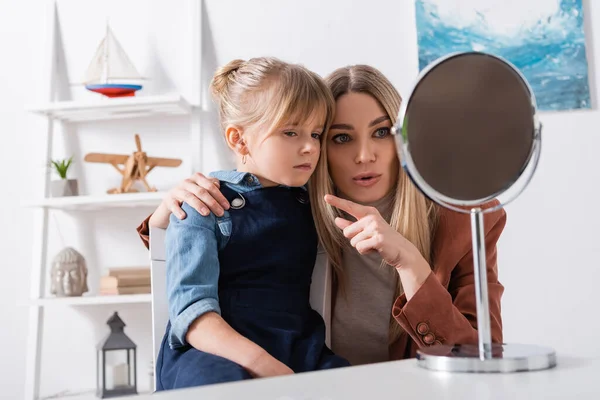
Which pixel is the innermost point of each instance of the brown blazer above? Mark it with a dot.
(443, 310)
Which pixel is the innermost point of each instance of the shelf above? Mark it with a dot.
(94, 300)
(90, 395)
(114, 108)
(101, 201)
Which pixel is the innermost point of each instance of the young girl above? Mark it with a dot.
(402, 267)
(238, 285)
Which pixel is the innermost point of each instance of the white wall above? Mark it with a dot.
(16, 38)
(548, 252)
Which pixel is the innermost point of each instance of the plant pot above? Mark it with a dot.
(64, 187)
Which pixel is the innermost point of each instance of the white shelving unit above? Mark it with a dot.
(101, 109)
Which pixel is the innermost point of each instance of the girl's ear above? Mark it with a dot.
(235, 140)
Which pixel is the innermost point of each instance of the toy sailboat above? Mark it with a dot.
(111, 72)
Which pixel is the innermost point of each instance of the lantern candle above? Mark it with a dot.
(120, 375)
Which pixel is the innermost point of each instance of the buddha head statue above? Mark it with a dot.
(68, 274)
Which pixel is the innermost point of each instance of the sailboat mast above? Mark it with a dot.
(105, 58)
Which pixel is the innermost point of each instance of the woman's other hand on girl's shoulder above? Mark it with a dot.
(202, 193)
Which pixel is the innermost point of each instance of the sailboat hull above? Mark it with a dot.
(114, 89)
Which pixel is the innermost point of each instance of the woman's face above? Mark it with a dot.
(360, 150)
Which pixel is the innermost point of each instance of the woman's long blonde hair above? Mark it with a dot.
(413, 215)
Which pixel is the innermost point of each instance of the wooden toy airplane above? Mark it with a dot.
(135, 166)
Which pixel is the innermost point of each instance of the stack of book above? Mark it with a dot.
(130, 280)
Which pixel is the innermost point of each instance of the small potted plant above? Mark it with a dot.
(63, 186)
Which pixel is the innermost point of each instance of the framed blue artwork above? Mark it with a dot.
(544, 39)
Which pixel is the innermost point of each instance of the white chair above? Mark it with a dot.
(158, 274)
(320, 294)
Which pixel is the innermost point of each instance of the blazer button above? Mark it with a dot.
(437, 342)
(422, 328)
(429, 338)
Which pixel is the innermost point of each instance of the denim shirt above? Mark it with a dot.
(192, 258)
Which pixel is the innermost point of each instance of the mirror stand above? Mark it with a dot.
(486, 356)
(483, 144)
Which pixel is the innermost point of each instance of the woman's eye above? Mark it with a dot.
(316, 135)
(381, 133)
(290, 133)
(341, 138)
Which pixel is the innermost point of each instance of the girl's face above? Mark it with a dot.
(288, 155)
(361, 151)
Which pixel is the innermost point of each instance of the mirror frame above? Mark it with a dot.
(407, 163)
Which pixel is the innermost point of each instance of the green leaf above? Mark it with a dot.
(61, 167)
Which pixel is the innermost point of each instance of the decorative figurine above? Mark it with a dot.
(111, 72)
(136, 166)
(68, 275)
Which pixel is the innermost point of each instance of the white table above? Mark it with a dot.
(573, 378)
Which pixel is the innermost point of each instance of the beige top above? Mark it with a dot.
(361, 316)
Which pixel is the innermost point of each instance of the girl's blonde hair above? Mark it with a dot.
(269, 92)
(413, 215)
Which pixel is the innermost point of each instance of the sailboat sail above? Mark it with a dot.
(95, 70)
(110, 63)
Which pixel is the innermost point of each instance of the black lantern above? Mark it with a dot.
(116, 362)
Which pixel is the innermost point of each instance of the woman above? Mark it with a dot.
(402, 267)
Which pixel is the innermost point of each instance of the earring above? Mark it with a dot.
(244, 159)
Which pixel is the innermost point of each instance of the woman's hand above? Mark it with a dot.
(371, 233)
(199, 192)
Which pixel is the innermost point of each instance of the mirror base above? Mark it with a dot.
(506, 358)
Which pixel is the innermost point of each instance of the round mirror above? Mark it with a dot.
(468, 130)
(466, 135)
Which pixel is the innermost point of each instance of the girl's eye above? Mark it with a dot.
(290, 133)
(316, 135)
(382, 133)
(341, 138)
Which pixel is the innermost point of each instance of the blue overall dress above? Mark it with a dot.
(264, 287)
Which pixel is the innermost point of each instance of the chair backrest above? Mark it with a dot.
(320, 291)
(160, 307)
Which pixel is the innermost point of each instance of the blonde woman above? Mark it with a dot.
(238, 285)
(402, 268)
